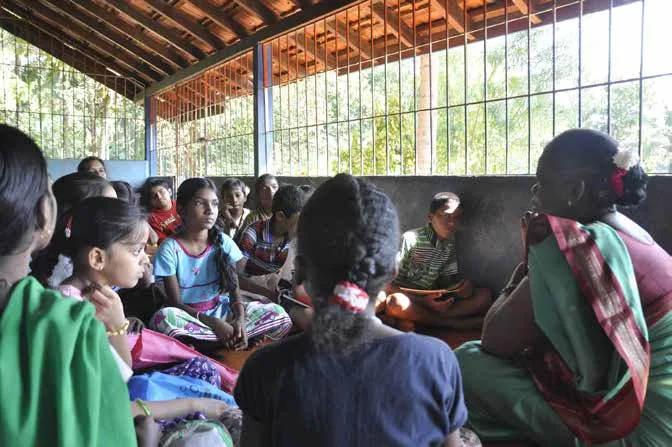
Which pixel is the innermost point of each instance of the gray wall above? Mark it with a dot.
(132, 171)
(489, 242)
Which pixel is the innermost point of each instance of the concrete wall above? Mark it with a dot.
(489, 242)
(132, 171)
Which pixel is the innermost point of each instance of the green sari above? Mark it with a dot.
(599, 376)
(59, 383)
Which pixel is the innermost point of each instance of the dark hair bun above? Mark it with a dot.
(634, 187)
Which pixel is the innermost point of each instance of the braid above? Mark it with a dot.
(348, 231)
(228, 281)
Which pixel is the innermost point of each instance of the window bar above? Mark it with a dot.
(288, 126)
(348, 26)
(359, 77)
(305, 98)
(373, 102)
(401, 122)
(415, 97)
(466, 117)
(326, 92)
(641, 83)
(447, 4)
(580, 37)
(338, 105)
(529, 92)
(387, 111)
(506, 84)
(296, 98)
(611, 6)
(431, 98)
(317, 131)
(485, 84)
(553, 74)
(39, 89)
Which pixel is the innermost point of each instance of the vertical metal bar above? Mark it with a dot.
(347, 87)
(150, 135)
(359, 84)
(338, 108)
(529, 83)
(611, 6)
(387, 109)
(261, 152)
(580, 62)
(401, 121)
(555, 5)
(288, 87)
(447, 90)
(415, 98)
(466, 115)
(485, 83)
(326, 90)
(296, 97)
(317, 121)
(373, 101)
(305, 99)
(641, 82)
(431, 97)
(506, 83)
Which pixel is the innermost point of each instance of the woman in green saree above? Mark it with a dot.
(59, 385)
(578, 349)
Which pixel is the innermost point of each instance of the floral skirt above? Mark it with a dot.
(264, 320)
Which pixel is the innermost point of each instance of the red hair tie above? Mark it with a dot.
(617, 181)
(350, 297)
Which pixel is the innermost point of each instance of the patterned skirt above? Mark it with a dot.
(263, 321)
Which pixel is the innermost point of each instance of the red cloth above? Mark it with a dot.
(164, 222)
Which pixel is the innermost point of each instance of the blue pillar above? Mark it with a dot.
(150, 136)
(263, 108)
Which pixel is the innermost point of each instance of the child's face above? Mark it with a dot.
(201, 211)
(161, 198)
(97, 168)
(124, 262)
(266, 193)
(443, 221)
(234, 198)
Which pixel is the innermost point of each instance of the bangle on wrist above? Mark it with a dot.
(123, 330)
(198, 316)
(143, 406)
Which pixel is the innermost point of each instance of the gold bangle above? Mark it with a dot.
(123, 330)
(198, 316)
(143, 406)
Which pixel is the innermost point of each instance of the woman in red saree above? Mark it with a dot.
(578, 349)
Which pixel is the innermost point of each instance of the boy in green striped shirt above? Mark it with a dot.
(428, 262)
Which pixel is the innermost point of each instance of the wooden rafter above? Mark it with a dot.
(454, 16)
(258, 9)
(141, 38)
(183, 21)
(314, 53)
(65, 7)
(220, 17)
(346, 34)
(124, 65)
(397, 26)
(43, 39)
(524, 10)
(168, 34)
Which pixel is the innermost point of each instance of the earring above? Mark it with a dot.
(569, 203)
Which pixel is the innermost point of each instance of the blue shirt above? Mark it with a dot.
(197, 275)
(404, 390)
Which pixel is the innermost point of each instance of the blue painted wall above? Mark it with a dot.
(132, 171)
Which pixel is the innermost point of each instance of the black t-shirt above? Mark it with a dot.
(404, 390)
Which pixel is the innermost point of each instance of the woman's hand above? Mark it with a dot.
(109, 309)
(211, 408)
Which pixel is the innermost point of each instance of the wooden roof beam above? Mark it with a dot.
(169, 35)
(112, 20)
(346, 34)
(183, 21)
(522, 6)
(44, 41)
(298, 40)
(258, 9)
(124, 65)
(220, 17)
(454, 16)
(396, 25)
(65, 7)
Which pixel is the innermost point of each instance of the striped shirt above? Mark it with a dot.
(264, 252)
(425, 261)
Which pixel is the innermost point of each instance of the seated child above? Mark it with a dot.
(51, 266)
(349, 380)
(264, 188)
(93, 165)
(163, 216)
(198, 269)
(233, 212)
(428, 261)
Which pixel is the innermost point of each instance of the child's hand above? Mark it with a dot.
(239, 338)
(109, 309)
(223, 331)
(211, 408)
(147, 431)
(439, 306)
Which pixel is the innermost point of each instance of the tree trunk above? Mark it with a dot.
(425, 131)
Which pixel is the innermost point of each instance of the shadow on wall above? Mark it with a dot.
(489, 242)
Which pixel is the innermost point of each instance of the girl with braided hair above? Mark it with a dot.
(197, 265)
(349, 380)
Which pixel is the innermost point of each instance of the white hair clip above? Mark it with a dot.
(626, 159)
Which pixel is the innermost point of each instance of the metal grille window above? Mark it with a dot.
(467, 87)
(72, 109)
(205, 126)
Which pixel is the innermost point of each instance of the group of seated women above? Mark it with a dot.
(574, 350)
